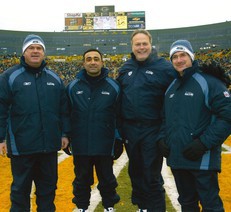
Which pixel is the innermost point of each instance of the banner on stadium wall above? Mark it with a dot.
(73, 21)
(105, 10)
(106, 20)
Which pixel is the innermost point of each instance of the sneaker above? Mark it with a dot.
(142, 210)
(82, 210)
(111, 209)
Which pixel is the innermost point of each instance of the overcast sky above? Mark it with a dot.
(48, 15)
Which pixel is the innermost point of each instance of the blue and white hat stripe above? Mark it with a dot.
(181, 46)
(181, 49)
(32, 39)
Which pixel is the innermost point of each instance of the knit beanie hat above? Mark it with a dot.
(32, 39)
(181, 46)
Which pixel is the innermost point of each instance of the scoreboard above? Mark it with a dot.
(104, 18)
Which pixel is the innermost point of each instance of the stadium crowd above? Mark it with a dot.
(68, 67)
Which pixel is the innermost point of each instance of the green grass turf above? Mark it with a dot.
(124, 190)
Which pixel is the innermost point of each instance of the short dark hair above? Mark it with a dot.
(92, 50)
(141, 31)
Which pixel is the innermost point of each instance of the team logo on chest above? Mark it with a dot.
(51, 83)
(188, 93)
(226, 94)
(149, 72)
(171, 96)
(129, 73)
(79, 92)
(105, 93)
(26, 83)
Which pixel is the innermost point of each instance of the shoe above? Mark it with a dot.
(142, 210)
(82, 210)
(111, 209)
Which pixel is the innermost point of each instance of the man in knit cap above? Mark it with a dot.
(34, 124)
(197, 122)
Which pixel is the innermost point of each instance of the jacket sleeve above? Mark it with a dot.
(220, 106)
(4, 105)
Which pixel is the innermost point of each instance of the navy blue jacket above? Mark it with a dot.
(143, 85)
(33, 109)
(197, 105)
(93, 114)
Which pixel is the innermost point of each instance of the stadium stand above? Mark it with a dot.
(65, 49)
(216, 36)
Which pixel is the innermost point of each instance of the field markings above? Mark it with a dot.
(119, 165)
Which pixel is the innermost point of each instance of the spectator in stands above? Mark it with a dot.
(197, 122)
(34, 122)
(94, 99)
(144, 79)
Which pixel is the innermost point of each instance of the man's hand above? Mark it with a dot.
(164, 149)
(65, 142)
(118, 148)
(66, 146)
(3, 148)
(194, 150)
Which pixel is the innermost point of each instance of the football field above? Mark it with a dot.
(66, 176)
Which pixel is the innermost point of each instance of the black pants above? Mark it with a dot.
(40, 168)
(196, 186)
(145, 164)
(84, 179)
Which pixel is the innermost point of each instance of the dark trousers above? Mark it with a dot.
(40, 168)
(145, 164)
(84, 179)
(196, 186)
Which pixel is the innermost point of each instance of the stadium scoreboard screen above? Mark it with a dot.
(104, 18)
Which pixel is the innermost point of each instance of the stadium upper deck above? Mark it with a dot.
(118, 42)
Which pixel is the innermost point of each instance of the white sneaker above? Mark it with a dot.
(142, 210)
(82, 210)
(111, 209)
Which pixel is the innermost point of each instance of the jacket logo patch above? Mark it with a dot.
(27, 83)
(79, 92)
(171, 95)
(129, 73)
(188, 93)
(51, 83)
(226, 94)
(149, 72)
(105, 93)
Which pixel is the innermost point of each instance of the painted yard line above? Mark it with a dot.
(227, 147)
(95, 195)
(169, 185)
(62, 156)
(119, 165)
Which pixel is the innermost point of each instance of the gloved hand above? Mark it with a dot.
(194, 150)
(164, 149)
(118, 148)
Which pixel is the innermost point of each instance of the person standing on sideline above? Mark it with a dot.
(33, 126)
(144, 79)
(94, 99)
(197, 122)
